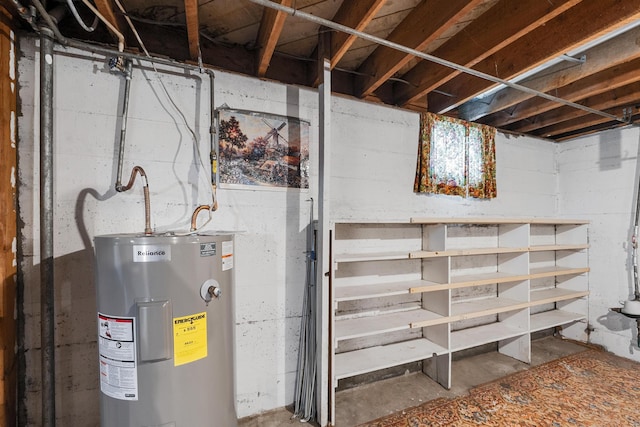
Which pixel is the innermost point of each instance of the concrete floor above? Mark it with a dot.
(370, 401)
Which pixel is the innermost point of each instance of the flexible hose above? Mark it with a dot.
(147, 201)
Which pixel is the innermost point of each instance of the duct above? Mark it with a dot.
(428, 57)
(47, 314)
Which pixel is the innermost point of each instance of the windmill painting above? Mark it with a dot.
(262, 149)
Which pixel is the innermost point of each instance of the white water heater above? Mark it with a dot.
(165, 330)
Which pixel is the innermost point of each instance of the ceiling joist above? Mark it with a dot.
(564, 33)
(428, 21)
(193, 28)
(480, 39)
(268, 35)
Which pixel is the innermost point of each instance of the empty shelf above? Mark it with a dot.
(549, 319)
(380, 357)
(472, 337)
(374, 256)
(466, 252)
(382, 323)
(558, 247)
(555, 270)
(356, 292)
(546, 296)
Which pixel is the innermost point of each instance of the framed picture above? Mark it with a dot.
(259, 149)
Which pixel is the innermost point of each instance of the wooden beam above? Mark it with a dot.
(603, 56)
(353, 14)
(477, 41)
(590, 20)
(556, 119)
(426, 22)
(106, 9)
(8, 224)
(595, 84)
(193, 28)
(268, 35)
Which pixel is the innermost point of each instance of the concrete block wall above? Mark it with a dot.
(598, 180)
(372, 168)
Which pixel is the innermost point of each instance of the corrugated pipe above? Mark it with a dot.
(147, 202)
(47, 313)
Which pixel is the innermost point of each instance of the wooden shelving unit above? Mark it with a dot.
(423, 289)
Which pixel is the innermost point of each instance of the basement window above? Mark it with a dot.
(455, 158)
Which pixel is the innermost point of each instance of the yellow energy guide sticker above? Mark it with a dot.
(189, 338)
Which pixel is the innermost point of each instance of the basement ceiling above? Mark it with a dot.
(571, 67)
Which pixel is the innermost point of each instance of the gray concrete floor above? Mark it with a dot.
(370, 401)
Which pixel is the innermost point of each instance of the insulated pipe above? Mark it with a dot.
(47, 314)
(417, 53)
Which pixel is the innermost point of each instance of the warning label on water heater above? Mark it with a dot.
(227, 255)
(189, 338)
(117, 349)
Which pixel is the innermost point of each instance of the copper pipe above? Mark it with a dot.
(195, 214)
(147, 202)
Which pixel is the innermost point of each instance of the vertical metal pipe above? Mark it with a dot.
(125, 113)
(46, 230)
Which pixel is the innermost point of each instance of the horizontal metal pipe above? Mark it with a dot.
(69, 42)
(444, 62)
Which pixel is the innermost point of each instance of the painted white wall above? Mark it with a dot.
(372, 164)
(598, 180)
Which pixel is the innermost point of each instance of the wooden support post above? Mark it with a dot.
(8, 225)
(324, 308)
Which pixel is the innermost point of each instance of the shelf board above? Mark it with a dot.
(546, 296)
(472, 280)
(537, 273)
(473, 337)
(383, 323)
(483, 307)
(374, 256)
(549, 319)
(498, 221)
(380, 357)
(540, 248)
(353, 292)
(466, 252)
(497, 277)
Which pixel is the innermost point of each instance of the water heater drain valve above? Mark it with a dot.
(210, 289)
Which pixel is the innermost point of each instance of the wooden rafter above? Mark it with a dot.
(602, 82)
(426, 22)
(8, 225)
(480, 39)
(193, 28)
(616, 51)
(106, 9)
(268, 35)
(353, 14)
(620, 96)
(564, 33)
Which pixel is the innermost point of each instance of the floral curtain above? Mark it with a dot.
(455, 158)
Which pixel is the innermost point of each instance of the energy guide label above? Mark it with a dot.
(118, 364)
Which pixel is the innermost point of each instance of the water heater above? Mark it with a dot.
(165, 330)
